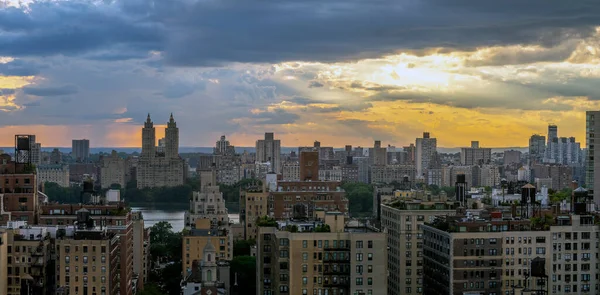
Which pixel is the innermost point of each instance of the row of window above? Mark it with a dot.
(85, 259)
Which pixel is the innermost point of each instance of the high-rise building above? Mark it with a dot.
(344, 260)
(309, 166)
(3, 262)
(160, 169)
(403, 221)
(512, 157)
(475, 155)
(269, 150)
(80, 150)
(378, 154)
(592, 131)
(425, 153)
(537, 148)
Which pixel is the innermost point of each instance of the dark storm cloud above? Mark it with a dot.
(204, 33)
(70, 28)
(217, 32)
(51, 90)
(19, 67)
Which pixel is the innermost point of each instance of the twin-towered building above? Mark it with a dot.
(164, 167)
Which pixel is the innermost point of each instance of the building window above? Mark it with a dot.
(359, 244)
(359, 281)
(370, 281)
(304, 244)
(370, 256)
(370, 244)
(359, 257)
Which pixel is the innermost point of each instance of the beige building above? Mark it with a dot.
(87, 258)
(346, 261)
(508, 247)
(390, 173)
(56, 173)
(290, 171)
(269, 150)
(156, 168)
(403, 221)
(3, 262)
(208, 203)
(112, 170)
(489, 175)
(254, 200)
(197, 238)
(333, 174)
(141, 250)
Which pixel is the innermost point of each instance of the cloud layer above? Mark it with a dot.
(337, 71)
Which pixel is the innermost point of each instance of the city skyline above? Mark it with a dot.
(461, 70)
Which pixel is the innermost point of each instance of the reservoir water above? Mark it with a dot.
(171, 214)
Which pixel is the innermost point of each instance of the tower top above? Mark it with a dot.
(148, 123)
(172, 123)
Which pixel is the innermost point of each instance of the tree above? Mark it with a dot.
(150, 289)
(243, 247)
(449, 191)
(360, 198)
(245, 268)
(164, 243)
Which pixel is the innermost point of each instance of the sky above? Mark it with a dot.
(337, 71)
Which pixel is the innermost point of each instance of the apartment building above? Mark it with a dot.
(3, 262)
(28, 256)
(343, 261)
(112, 170)
(198, 237)
(327, 195)
(141, 250)
(390, 173)
(253, 204)
(494, 255)
(88, 258)
(56, 173)
(208, 202)
(403, 220)
(18, 191)
(115, 218)
(291, 171)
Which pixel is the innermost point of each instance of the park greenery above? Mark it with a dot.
(165, 248)
(360, 198)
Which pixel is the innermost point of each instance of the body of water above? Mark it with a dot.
(174, 216)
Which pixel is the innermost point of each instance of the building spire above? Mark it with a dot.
(148, 118)
(171, 118)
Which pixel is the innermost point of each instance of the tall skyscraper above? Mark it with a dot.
(425, 153)
(269, 150)
(537, 148)
(81, 150)
(592, 130)
(172, 139)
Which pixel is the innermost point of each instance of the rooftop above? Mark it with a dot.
(484, 222)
